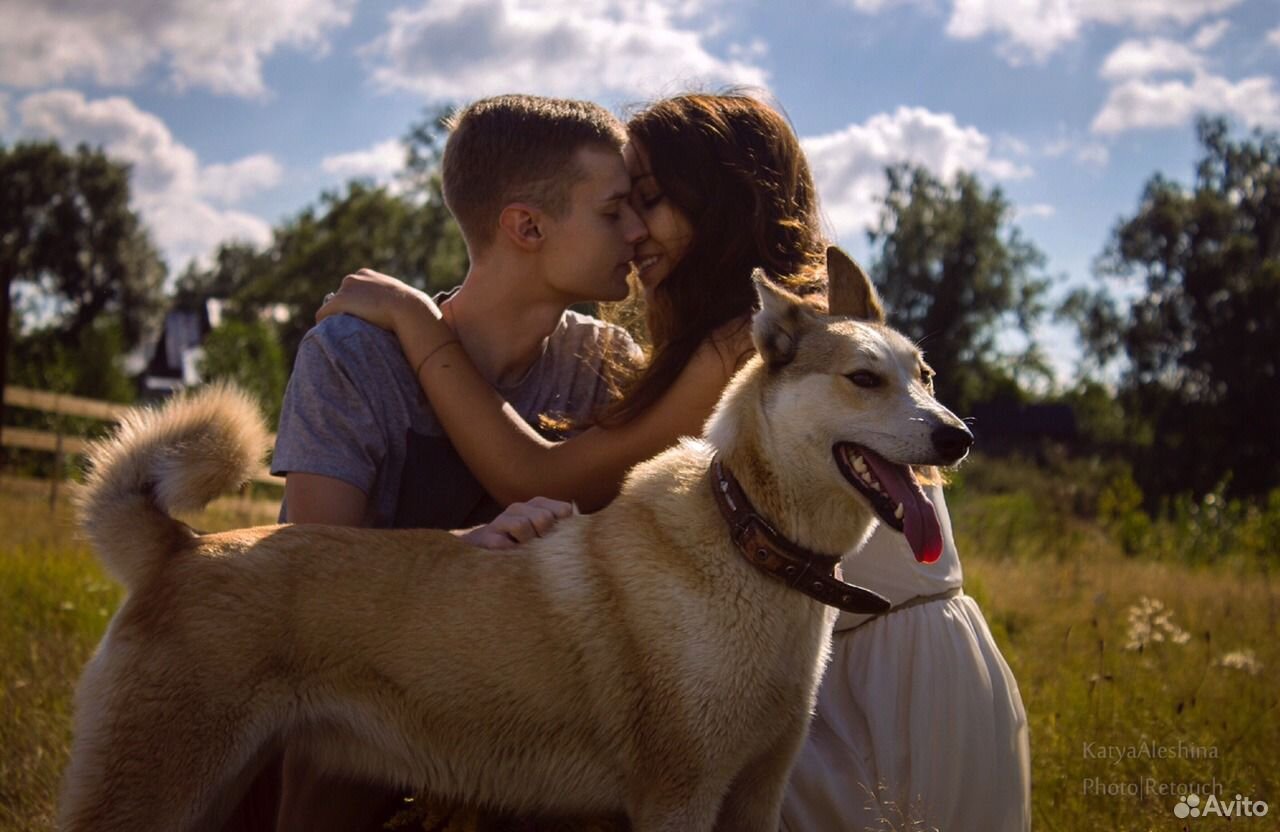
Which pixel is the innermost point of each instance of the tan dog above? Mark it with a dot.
(632, 661)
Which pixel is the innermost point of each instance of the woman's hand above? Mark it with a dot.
(391, 304)
(520, 523)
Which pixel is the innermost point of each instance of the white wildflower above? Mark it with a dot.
(1245, 660)
(1150, 622)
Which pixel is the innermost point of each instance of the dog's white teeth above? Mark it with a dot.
(859, 465)
(899, 512)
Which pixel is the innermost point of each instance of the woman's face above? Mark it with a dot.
(670, 232)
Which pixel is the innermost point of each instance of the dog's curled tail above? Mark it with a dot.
(174, 458)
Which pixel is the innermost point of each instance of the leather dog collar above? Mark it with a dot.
(816, 575)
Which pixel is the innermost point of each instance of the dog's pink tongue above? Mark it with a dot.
(919, 519)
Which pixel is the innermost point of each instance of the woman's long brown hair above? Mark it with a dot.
(734, 167)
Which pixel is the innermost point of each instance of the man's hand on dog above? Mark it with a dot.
(519, 523)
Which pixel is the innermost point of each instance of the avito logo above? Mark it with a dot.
(1242, 807)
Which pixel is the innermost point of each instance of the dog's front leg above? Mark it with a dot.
(672, 804)
(754, 802)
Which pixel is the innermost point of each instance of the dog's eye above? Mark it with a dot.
(926, 376)
(865, 378)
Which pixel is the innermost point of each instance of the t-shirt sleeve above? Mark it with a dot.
(328, 422)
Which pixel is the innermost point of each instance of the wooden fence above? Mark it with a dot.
(61, 444)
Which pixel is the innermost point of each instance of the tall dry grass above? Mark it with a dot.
(55, 602)
(1144, 678)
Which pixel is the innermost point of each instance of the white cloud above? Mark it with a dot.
(172, 191)
(1273, 37)
(1208, 36)
(381, 162)
(229, 184)
(1035, 29)
(848, 165)
(1143, 58)
(1091, 154)
(1138, 101)
(1034, 211)
(459, 49)
(217, 46)
(1148, 12)
(1014, 145)
(873, 6)
(1140, 104)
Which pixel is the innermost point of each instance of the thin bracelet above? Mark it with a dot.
(427, 357)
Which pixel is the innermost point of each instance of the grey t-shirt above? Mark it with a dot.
(354, 411)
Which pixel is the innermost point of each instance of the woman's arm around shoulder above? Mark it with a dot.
(515, 463)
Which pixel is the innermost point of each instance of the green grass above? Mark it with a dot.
(55, 602)
(1057, 590)
(1100, 669)
(54, 605)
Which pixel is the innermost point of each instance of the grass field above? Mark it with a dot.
(1139, 675)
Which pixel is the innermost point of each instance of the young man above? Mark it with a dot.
(539, 190)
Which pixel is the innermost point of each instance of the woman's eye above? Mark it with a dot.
(865, 378)
(653, 200)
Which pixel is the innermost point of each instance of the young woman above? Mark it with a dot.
(723, 186)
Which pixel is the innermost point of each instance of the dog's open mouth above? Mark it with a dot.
(896, 496)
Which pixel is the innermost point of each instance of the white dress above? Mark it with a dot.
(919, 725)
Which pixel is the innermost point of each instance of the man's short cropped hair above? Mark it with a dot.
(518, 148)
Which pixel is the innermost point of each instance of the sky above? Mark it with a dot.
(236, 114)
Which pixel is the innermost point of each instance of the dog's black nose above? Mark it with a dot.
(951, 441)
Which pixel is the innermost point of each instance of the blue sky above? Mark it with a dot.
(238, 113)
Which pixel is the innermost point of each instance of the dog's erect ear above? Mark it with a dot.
(849, 290)
(776, 328)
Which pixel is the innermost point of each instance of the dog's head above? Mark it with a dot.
(853, 400)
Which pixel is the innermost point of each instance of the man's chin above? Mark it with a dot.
(620, 289)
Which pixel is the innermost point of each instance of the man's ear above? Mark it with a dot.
(523, 225)
(849, 290)
(777, 327)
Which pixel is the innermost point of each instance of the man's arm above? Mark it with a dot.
(315, 498)
(329, 425)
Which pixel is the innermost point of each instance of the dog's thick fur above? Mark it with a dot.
(630, 662)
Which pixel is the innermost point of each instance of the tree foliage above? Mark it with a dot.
(1200, 326)
(249, 354)
(954, 273)
(67, 232)
(403, 229)
(85, 364)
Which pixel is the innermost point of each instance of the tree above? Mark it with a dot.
(66, 231)
(364, 226)
(954, 274)
(249, 354)
(86, 364)
(1202, 341)
(402, 229)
